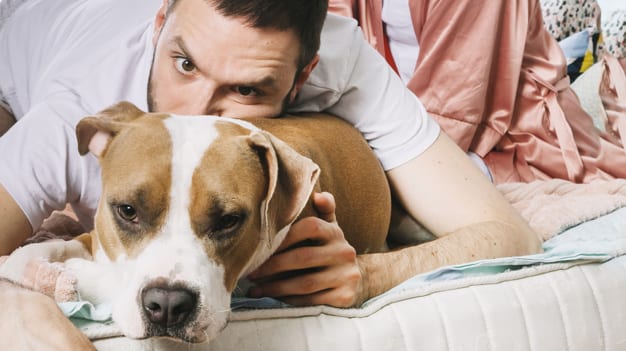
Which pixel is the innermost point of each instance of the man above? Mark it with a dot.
(238, 59)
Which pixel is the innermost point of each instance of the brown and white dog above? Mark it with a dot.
(191, 204)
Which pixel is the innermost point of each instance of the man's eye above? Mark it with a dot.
(184, 65)
(247, 91)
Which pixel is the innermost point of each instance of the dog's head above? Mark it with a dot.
(189, 205)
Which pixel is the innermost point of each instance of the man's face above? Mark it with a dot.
(206, 63)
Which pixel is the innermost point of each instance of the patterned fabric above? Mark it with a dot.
(566, 20)
(562, 18)
(614, 33)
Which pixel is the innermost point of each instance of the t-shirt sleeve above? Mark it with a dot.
(355, 83)
(40, 166)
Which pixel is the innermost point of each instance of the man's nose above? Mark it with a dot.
(208, 102)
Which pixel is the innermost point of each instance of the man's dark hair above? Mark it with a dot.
(304, 17)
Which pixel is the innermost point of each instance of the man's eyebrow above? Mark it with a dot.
(268, 81)
(178, 40)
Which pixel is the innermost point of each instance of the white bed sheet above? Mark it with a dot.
(575, 308)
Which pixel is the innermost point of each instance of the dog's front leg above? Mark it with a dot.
(96, 282)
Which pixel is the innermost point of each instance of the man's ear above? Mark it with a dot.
(304, 74)
(291, 180)
(95, 132)
(159, 21)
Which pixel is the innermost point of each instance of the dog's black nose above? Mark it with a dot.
(167, 307)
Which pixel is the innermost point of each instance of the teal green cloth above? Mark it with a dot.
(83, 313)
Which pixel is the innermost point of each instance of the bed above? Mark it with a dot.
(571, 297)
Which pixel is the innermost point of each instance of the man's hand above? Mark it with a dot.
(32, 321)
(315, 265)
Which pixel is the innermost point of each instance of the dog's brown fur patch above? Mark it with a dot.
(230, 182)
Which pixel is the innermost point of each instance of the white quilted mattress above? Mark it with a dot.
(572, 297)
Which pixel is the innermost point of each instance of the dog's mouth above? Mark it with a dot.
(192, 332)
(178, 333)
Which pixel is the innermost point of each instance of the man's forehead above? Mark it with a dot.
(213, 40)
(198, 13)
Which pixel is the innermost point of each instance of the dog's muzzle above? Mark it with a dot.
(168, 310)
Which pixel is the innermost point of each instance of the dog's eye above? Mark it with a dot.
(223, 225)
(127, 212)
(228, 221)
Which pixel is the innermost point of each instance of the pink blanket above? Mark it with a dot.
(552, 206)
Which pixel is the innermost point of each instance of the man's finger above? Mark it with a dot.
(324, 203)
(310, 228)
(335, 287)
(305, 257)
(304, 284)
(307, 229)
(342, 298)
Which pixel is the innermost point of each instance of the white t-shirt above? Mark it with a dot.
(65, 59)
(401, 35)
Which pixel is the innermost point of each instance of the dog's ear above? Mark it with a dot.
(291, 179)
(94, 132)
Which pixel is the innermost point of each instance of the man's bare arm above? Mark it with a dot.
(486, 240)
(6, 120)
(14, 226)
(447, 194)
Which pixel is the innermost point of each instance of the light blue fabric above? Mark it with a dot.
(83, 313)
(575, 45)
(594, 241)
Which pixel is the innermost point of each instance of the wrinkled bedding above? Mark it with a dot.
(572, 294)
(540, 301)
(570, 297)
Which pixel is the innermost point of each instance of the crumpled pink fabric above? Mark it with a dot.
(552, 206)
(48, 278)
(51, 278)
(495, 80)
